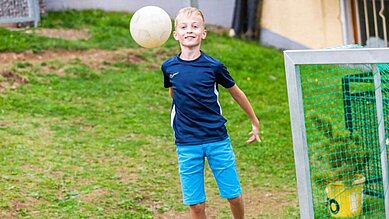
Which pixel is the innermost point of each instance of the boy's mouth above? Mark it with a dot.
(190, 37)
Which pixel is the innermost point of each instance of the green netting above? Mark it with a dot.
(342, 138)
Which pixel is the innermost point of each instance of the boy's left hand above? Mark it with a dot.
(254, 135)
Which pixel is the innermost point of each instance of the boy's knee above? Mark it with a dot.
(236, 201)
(198, 208)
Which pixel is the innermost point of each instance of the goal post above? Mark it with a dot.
(18, 11)
(339, 104)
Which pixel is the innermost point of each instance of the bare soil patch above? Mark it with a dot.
(69, 34)
(19, 206)
(262, 202)
(258, 204)
(94, 195)
(94, 58)
(10, 79)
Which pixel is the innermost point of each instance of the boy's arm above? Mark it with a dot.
(244, 103)
(171, 91)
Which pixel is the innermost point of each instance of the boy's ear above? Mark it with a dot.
(175, 35)
(204, 34)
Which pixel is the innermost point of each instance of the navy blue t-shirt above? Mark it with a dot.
(196, 113)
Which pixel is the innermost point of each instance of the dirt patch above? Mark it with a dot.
(93, 57)
(11, 76)
(94, 195)
(258, 204)
(19, 206)
(4, 124)
(261, 202)
(69, 34)
(54, 61)
(6, 214)
(126, 175)
(173, 214)
(25, 204)
(10, 79)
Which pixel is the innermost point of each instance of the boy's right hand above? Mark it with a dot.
(254, 135)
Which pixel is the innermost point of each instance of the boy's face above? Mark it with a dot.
(190, 30)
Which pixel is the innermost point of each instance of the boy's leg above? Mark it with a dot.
(221, 159)
(197, 211)
(191, 168)
(237, 207)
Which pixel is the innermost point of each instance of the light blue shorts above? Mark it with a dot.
(221, 160)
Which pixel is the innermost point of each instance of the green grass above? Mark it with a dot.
(97, 143)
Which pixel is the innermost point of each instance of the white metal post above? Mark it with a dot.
(345, 20)
(36, 12)
(381, 136)
(299, 139)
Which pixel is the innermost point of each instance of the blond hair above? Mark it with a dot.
(188, 11)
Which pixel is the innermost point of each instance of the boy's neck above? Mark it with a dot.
(189, 54)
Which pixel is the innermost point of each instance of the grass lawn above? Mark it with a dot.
(85, 124)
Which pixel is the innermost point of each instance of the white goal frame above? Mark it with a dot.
(292, 60)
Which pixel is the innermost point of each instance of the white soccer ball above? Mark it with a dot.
(150, 26)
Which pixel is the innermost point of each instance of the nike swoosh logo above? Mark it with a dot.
(174, 74)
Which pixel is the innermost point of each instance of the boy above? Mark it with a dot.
(193, 78)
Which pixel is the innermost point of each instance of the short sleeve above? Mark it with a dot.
(223, 76)
(166, 78)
